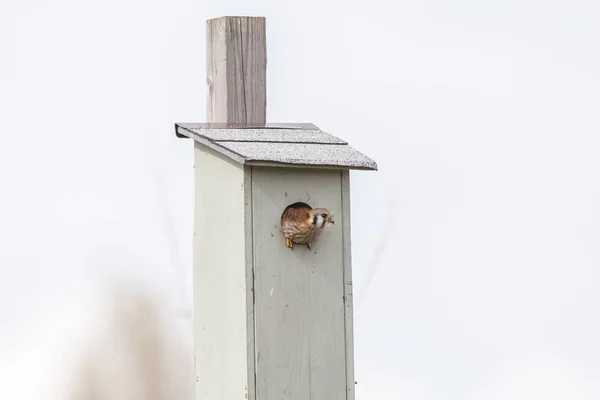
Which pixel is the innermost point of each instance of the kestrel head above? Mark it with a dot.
(322, 217)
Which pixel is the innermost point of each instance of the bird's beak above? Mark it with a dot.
(330, 219)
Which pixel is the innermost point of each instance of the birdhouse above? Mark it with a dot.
(273, 315)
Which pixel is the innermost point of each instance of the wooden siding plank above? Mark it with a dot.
(220, 302)
(299, 311)
(348, 287)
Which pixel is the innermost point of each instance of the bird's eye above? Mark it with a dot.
(323, 215)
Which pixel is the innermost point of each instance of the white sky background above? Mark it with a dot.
(483, 118)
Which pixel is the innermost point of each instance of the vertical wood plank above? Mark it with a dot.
(299, 294)
(220, 295)
(236, 69)
(249, 289)
(348, 287)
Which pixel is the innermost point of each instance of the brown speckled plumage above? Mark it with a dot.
(301, 224)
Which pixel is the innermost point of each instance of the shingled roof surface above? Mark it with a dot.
(277, 144)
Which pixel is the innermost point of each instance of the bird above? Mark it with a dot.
(301, 224)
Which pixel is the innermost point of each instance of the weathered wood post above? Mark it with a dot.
(270, 322)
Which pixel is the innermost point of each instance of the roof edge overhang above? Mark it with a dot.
(185, 131)
(188, 126)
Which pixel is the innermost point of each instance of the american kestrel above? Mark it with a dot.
(301, 224)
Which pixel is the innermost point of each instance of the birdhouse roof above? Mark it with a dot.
(277, 145)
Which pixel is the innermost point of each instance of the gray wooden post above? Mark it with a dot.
(236, 70)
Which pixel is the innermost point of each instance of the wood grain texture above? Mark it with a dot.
(236, 69)
(221, 305)
(300, 323)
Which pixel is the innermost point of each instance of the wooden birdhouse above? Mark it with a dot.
(272, 322)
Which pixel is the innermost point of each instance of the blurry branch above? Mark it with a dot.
(380, 248)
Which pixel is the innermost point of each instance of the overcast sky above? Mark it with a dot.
(476, 245)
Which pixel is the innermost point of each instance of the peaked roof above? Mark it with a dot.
(276, 144)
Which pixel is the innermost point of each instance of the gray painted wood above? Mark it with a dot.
(300, 322)
(348, 287)
(236, 69)
(249, 290)
(222, 298)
